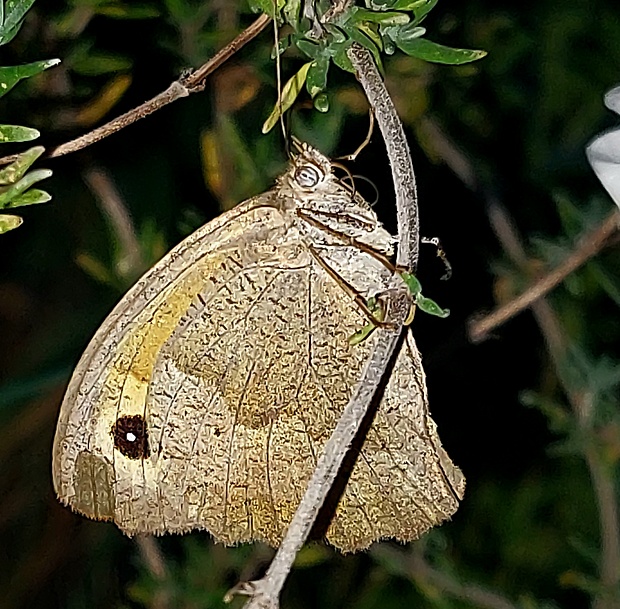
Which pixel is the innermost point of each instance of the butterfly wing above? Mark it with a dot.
(206, 397)
(403, 482)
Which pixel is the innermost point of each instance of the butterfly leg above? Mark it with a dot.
(359, 300)
(348, 240)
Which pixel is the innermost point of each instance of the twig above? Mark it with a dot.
(155, 564)
(265, 592)
(417, 569)
(104, 189)
(587, 247)
(398, 152)
(191, 83)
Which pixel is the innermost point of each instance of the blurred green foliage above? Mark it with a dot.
(535, 428)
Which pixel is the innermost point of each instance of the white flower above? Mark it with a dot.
(604, 151)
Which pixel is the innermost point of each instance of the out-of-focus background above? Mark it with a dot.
(531, 414)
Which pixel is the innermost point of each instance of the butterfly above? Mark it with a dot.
(205, 398)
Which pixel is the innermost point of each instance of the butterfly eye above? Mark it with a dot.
(131, 437)
(308, 176)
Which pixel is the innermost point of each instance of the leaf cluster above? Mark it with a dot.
(15, 181)
(325, 34)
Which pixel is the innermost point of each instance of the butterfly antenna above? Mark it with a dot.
(441, 254)
(371, 128)
(276, 41)
(350, 187)
(374, 187)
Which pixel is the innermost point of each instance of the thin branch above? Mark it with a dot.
(192, 83)
(265, 592)
(156, 565)
(398, 153)
(587, 247)
(102, 186)
(416, 568)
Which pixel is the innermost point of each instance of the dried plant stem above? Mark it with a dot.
(191, 83)
(587, 247)
(413, 566)
(115, 210)
(398, 153)
(265, 592)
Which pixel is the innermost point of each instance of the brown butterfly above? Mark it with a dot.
(205, 398)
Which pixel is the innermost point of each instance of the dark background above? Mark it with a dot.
(528, 533)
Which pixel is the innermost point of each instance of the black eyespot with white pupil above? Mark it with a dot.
(131, 436)
(308, 176)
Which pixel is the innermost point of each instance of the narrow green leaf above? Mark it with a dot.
(382, 17)
(119, 11)
(311, 49)
(16, 133)
(316, 80)
(405, 33)
(415, 287)
(289, 95)
(14, 11)
(431, 307)
(361, 38)
(8, 223)
(7, 35)
(10, 76)
(14, 172)
(420, 8)
(34, 196)
(438, 53)
(10, 194)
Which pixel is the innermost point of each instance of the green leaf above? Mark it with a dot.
(321, 102)
(120, 11)
(431, 307)
(8, 223)
(96, 64)
(316, 79)
(267, 7)
(382, 17)
(34, 196)
(311, 49)
(420, 8)
(10, 196)
(438, 53)
(15, 133)
(289, 95)
(14, 172)
(291, 12)
(10, 76)
(405, 33)
(340, 57)
(7, 35)
(415, 287)
(14, 12)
